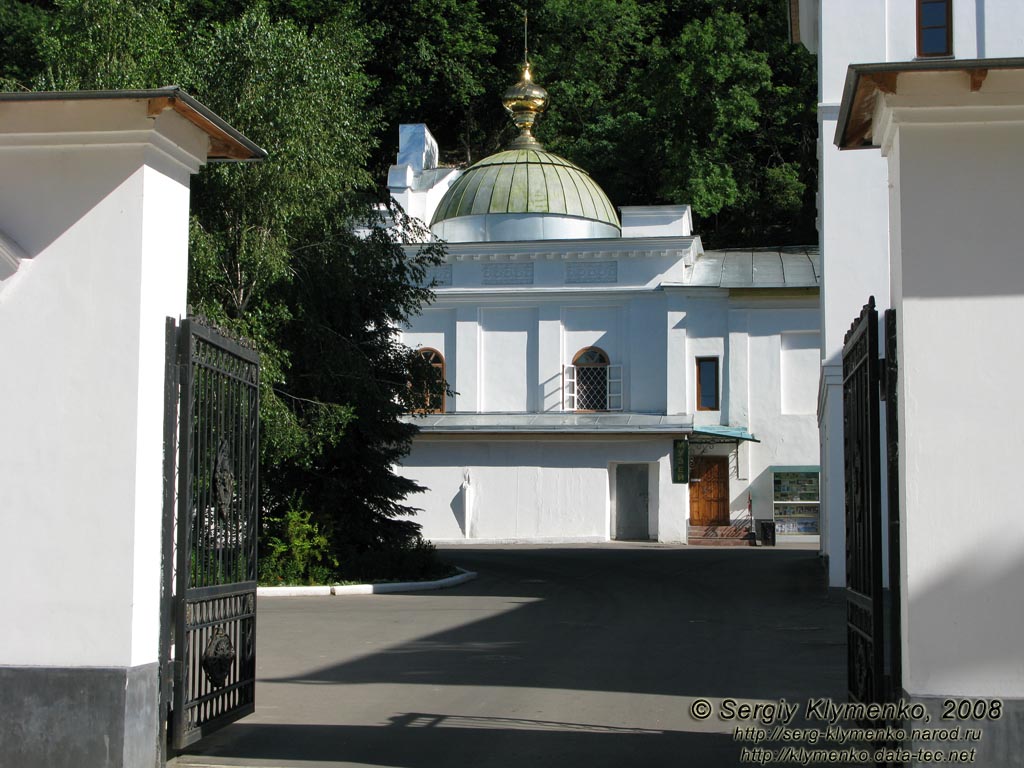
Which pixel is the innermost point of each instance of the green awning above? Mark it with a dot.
(725, 433)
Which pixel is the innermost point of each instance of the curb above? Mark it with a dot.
(368, 589)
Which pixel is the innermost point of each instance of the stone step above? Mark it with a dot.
(719, 531)
(720, 535)
(697, 541)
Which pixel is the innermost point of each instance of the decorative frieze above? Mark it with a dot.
(508, 274)
(592, 272)
(440, 275)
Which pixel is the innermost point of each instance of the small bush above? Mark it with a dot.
(293, 549)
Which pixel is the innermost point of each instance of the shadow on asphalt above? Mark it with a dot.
(740, 623)
(683, 623)
(437, 746)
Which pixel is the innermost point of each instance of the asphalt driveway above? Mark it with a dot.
(555, 656)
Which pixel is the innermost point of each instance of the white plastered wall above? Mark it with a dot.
(675, 355)
(537, 488)
(981, 29)
(645, 369)
(417, 158)
(593, 325)
(706, 335)
(853, 202)
(958, 283)
(506, 356)
(786, 438)
(104, 227)
(508, 359)
(853, 222)
(435, 329)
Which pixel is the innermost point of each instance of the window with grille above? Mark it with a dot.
(591, 383)
(434, 394)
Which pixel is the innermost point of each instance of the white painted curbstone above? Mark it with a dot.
(368, 589)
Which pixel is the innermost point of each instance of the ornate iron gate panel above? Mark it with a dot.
(861, 439)
(213, 610)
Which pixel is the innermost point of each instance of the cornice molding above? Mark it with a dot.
(141, 139)
(892, 112)
(878, 98)
(583, 249)
(535, 294)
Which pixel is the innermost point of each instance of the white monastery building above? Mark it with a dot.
(611, 379)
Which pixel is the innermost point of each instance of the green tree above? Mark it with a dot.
(21, 24)
(711, 84)
(112, 44)
(692, 101)
(433, 60)
(671, 101)
(351, 296)
(273, 254)
(593, 57)
(301, 95)
(663, 101)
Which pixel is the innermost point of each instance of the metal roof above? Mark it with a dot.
(526, 181)
(727, 434)
(575, 424)
(793, 267)
(551, 423)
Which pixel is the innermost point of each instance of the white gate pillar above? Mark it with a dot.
(94, 202)
(951, 131)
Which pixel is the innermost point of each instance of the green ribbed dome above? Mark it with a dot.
(526, 181)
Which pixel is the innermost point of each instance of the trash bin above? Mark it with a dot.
(767, 533)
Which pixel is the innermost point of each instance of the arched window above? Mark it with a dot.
(591, 379)
(435, 391)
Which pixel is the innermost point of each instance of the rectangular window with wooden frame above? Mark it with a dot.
(934, 28)
(707, 384)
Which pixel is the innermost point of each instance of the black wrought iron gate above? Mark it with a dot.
(861, 435)
(211, 493)
(872, 613)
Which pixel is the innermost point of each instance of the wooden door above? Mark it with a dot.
(709, 490)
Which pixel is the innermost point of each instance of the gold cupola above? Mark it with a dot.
(525, 101)
(524, 192)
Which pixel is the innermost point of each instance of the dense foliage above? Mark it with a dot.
(671, 101)
(704, 102)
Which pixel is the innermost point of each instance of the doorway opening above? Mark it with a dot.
(631, 519)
